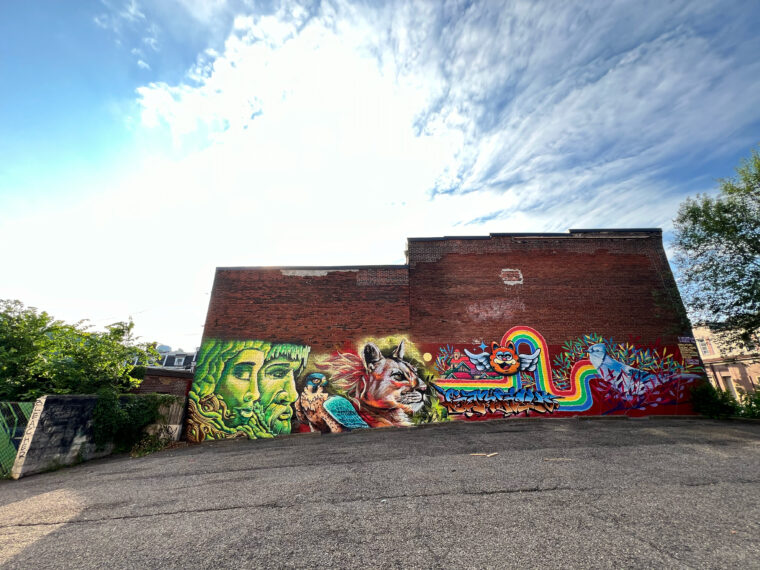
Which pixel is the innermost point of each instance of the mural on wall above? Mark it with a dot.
(504, 379)
(244, 389)
(622, 376)
(515, 377)
(259, 389)
(385, 380)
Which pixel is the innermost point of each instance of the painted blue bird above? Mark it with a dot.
(326, 412)
(625, 377)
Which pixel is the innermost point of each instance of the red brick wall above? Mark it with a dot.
(454, 290)
(616, 284)
(174, 382)
(320, 307)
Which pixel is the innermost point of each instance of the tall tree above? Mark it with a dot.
(718, 255)
(40, 355)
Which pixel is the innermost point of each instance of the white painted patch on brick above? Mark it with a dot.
(511, 276)
(313, 272)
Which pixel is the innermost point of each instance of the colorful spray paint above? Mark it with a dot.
(259, 389)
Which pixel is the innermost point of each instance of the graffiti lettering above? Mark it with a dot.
(508, 401)
(261, 389)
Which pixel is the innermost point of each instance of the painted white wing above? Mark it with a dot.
(528, 362)
(481, 361)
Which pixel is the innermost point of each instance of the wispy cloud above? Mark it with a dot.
(556, 105)
(151, 42)
(132, 12)
(327, 132)
(126, 20)
(102, 21)
(540, 105)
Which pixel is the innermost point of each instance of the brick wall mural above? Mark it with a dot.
(258, 389)
(470, 328)
(244, 389)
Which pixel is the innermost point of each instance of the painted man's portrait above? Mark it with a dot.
(244, 389)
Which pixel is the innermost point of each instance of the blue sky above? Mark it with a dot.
(143, 144)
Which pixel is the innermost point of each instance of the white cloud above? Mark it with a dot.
(132, 12)
(204, 11)
(327, 135)
(125, 20)
(534, 104)
(151, 42)
(101, 20)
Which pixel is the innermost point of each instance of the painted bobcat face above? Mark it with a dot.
(392, 383)
(504, 358)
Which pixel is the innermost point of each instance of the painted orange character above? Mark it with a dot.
(504, 359)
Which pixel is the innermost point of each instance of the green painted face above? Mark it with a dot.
(277, 386)
(238, 386)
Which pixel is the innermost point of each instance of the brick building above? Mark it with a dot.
(454, 289)
(728, 369)
(161, 380)
(584, 322)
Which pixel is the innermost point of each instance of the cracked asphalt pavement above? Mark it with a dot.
(566, 493)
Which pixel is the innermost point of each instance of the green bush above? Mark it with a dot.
(40, 355)
(121, 419)
(750, 404)
(152, 442)
(708, 401)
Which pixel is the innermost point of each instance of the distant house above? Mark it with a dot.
(175, 359)
(179, 360)
(728, 369)
(172, 373)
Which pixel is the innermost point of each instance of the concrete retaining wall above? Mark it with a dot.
(59, 432)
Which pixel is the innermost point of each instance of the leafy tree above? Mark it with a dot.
(40, 355)
(718, 255)
(25, 335)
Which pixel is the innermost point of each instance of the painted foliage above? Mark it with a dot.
(259, 389)
(244, 389)
(589, 375)
(622, 377)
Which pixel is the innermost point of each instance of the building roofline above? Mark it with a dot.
(569, 233)
(617, 231)
(171, 372)
(313, 267)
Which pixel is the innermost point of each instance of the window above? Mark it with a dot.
(728, 384)
(705, 346)
(179, 361)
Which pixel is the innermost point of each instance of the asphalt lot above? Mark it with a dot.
(566, 493)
